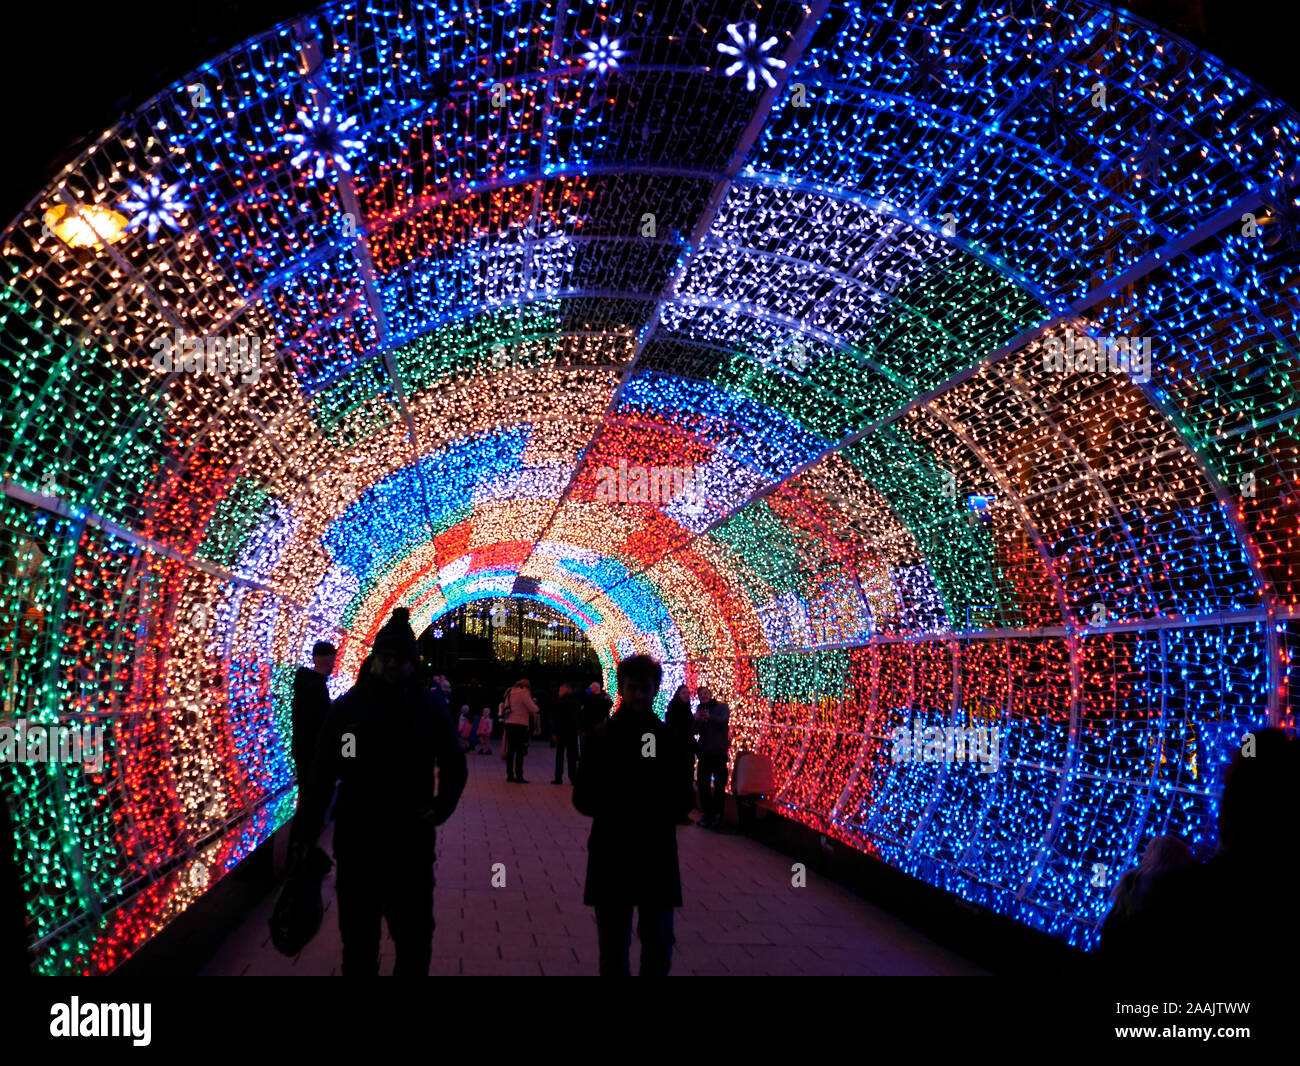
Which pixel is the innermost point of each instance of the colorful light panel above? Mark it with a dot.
(491, 254)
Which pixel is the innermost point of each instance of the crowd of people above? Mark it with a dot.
(396, 755)
(399, 761)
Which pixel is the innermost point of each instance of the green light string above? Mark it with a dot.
(770, 554)
(233, 521)
(960, 556)
(806, 677)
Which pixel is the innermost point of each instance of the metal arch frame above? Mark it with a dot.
(531, 296)
(87, 518)
(310, 51)
(386, 119)
(758, 120)
(1028, 336)
(1073, 634)
(753, 310)
(1248, 543)
(758, 311)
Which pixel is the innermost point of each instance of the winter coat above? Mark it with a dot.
(383, 743)
(595, 709)
(712, 723)
(520, 707)
(635, 801)
(311, 702)
(678, 719)
(564, 717)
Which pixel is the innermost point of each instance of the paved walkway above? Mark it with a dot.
(741, 916)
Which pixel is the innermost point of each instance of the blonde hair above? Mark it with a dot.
(1164, 852)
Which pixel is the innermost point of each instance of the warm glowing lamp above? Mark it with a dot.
(85, 226)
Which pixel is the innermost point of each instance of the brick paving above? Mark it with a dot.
(741, 916)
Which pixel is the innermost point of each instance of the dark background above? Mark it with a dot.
(68, 70)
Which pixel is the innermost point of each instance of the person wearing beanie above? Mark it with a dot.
(391, 745)
(399, 624)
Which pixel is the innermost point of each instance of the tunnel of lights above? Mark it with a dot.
(816, 255)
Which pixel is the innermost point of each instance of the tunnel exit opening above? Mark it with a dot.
(497, 641)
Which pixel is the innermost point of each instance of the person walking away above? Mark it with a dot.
(564, 721)
(519, 713)
(712, 726)
(466, 728)
(311, 702)
(630, 785)
(595, 709)
(678, 718)
(485, 732)
(390, 744)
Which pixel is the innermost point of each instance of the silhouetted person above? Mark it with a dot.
(1163, 855)
(678, 718)
(311, 702)
(399, 623)
(1224, 917)
(630, 784)
(713, 727)
(383, 739)
(594, 711)
(564, 723)
(519, 712)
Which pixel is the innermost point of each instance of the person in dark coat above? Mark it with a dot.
(630, 785)
(564, 723)
(713, 727)
(384, 739)
(678, 718)
(311, 702)
(1219, 918)
(595, 709)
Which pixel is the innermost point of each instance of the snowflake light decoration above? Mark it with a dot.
(751, 57)
(155, 205)
(602, 55)
(325, 139)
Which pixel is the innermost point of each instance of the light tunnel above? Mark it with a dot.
(879, 364)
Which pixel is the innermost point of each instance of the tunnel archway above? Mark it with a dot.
(882, 365)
